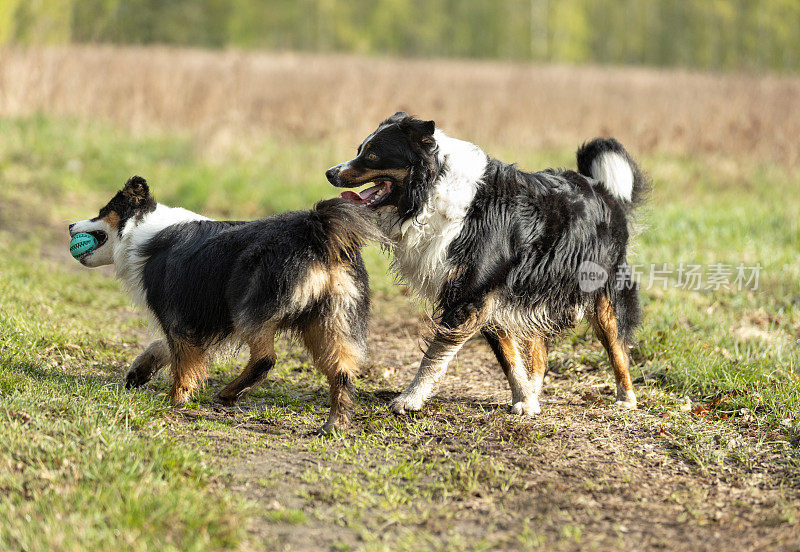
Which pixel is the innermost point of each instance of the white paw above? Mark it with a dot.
(526, 408)
(625, 399)
(408, 401)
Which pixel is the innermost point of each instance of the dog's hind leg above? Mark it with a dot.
(524, 363)
(262, 359)
(337, 356)
(188, 369)
(456, 328)
(605, 322)
(148, 363)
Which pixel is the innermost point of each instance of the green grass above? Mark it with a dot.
(84, 463)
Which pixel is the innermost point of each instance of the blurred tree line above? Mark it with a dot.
(715, 34)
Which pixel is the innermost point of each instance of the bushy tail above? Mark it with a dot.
(605, 160)
(346, 228)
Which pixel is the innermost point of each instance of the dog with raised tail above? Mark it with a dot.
(205, 283)
(519, 256)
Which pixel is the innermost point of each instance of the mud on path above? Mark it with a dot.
(466, 474)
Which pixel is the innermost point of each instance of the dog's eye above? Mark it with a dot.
(372, 157)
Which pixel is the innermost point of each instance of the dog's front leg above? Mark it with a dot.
(148, 363)
(431, 371)
(457, 327)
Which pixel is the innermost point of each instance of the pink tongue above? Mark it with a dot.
(362, 197)
(350, 195)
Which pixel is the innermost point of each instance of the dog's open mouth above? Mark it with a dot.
(101, 238)
(372, 196)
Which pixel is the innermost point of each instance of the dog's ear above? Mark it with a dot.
(419, 131)
(136, 190)
(426, 128)
(397, 117)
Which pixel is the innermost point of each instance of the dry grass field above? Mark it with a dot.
(223, 97)
(709, 461)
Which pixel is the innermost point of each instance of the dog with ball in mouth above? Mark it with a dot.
(205, 283)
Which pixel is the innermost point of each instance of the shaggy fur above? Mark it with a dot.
(204, 283)
(517, 256)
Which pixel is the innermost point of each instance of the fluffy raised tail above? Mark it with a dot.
(605, 160)
(346, 228)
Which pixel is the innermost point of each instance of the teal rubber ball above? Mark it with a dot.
(81, 243)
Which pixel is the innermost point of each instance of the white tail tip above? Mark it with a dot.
(614, 171)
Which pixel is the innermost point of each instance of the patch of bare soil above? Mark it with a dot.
(581, 475)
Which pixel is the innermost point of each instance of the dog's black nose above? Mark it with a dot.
(70, 226)
(331, 173)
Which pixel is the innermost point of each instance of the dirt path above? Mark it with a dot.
(582, 475)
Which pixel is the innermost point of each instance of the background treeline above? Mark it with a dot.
(716, 34)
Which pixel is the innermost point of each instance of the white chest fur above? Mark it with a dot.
(421, 243)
